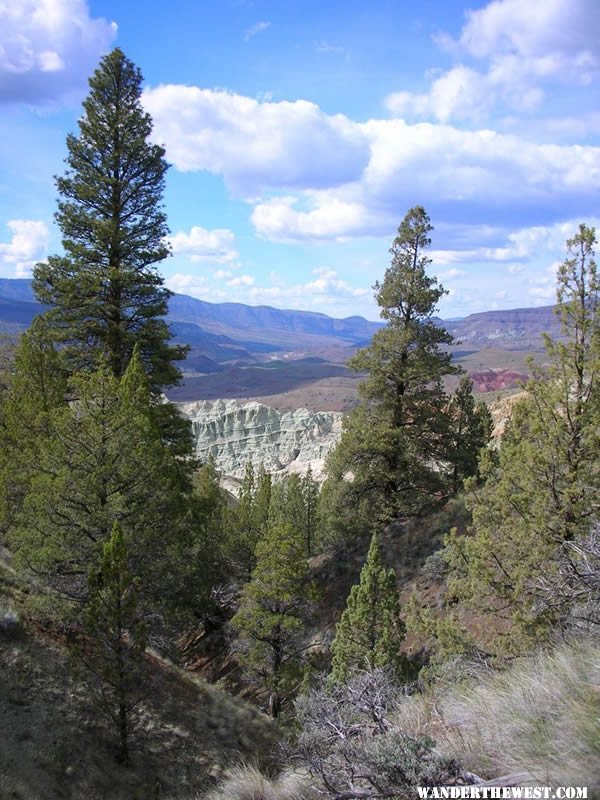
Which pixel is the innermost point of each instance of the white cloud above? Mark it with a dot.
(255, 145)
(27, 246)
(187, 283)
(241, 280)
(200, 244)
(277, 219)
(527, 49)
(258, 27)
(48, 47)
(314, 176)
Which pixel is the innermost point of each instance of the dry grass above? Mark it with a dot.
(539, 719)
(247, 783)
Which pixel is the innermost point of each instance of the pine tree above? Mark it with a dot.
(273, 612)
(541, 494)
(370, 631)
(101, 460)
(310, 495)
(394, 442)
(105, 292)
(37, 387)
(470, 430)
(114, 639)
(249, 520)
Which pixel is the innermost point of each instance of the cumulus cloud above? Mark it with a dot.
(48, 48)
(255, 145)
(314, 176)
(200, 244)
(27, 246)
(278, 219)
(524, 51)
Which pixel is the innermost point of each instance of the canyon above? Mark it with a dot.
(283, 442)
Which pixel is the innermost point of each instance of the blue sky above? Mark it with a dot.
(300, 134)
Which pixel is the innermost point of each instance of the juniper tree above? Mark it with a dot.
(370, 631)
(105, 292)
(541, 495)
(394, 442)
(114, 639)
(273, 612)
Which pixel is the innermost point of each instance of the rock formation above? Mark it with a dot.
(283, 442)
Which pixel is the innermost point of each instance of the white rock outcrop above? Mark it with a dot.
(284, 442)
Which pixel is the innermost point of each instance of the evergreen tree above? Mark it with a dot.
(249, 520)
(310, 495)
(101, 461)
(37, 387)
(105, 293)
(394, 443)
(370, 631)
(541, 494)
(114, 639)
(273, 612)
(470, 430)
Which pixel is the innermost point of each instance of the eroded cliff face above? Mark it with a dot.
(283, 442)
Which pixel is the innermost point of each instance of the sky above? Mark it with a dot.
(300, 133)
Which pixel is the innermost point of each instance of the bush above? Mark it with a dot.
(351, 747)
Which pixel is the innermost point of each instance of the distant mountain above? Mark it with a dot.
(219, 331)
(517, 328)
(234, 332)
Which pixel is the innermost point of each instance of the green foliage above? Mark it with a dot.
(37, 387)
(394, 443)
(114, 638)
(295, 501)
(273, 611)
(370, 631)
(470, 431)
(541, 493)
(105, 293)
(101, 460)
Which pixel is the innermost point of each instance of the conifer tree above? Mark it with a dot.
(102, 461)
(370, 631)
(105, 293)
(37, 387)
(273, 612)
(394, 442)
(249, 520)
(114, 639)
(541, 494)
(310, 495)
(469, 430)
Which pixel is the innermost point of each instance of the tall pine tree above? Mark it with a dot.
(394, 442)
(105, 293)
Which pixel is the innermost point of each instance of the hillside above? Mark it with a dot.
(56, 746)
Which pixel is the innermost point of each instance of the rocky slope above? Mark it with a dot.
(283, 442)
